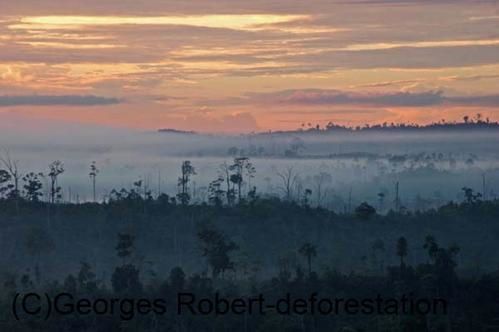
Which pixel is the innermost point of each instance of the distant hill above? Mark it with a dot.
(332, 128)
(176, 131)
(392, 127)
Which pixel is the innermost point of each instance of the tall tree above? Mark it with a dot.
(225, 170)
(216, 192)
(321, 180)
(126, 278)
(289, 179)
(93, 176)
(242, 167)
(397, 197)
(183, 181)
(56, 168)
(12, 167)
(309, 251)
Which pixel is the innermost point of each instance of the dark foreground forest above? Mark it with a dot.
(135, 247)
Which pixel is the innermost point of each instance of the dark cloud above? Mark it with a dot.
(394, 99)
(66, 100)
(332, 97)
(485, 101)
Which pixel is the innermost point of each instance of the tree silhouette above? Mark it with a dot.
(187, 171)
(305, 200)
(86, 278)
(56, 168)
(32, 186)
(289, 179)
(93, 176)
(5, 186)
(444, 265)
(125, 278)
(241, 167)
(216, 248)
(320, 181)
(397, 198)
(12, 167)
(431, 247)
(309, 251)
(215, 192)
(230, 194)
(365, 211)
(470, 196)
(125, 246)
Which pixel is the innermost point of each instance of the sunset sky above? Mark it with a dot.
(242, 66)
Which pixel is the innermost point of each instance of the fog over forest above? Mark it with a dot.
(340, 168)
(115, 211)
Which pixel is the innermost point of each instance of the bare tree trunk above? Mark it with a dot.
(397, 198)
(93, 189)
(12, 167)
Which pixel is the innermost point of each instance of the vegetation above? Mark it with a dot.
(239, 242)
(468, 122)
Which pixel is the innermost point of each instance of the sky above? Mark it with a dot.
(243, 66)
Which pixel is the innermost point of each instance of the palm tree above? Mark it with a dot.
(308, 250)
